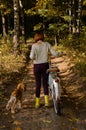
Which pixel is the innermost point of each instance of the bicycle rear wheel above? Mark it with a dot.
(57, 107)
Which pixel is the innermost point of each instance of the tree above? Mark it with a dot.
(22, 20)
(16, 26)
(4, 10)
(53, 16)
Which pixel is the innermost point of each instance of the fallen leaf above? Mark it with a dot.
(47, 121)
(18, 128)
(75, 129)
(6, 113)
(3, 126)
(17, 123)
(73, 119)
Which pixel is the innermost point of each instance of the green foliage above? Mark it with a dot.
(6, 6)
(84, 2)
(38, 26)
(30, 12)
(59, 27)
(67, 18)
(81, 68)
(76, 41)
(53, 16)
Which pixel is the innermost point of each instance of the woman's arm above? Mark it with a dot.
(32, 53)
(55, 53)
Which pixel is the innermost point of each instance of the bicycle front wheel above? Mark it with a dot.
(56, 103)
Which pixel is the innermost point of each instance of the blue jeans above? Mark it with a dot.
(41, 77)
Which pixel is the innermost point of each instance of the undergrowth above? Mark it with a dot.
(75, 47)
(10, 63)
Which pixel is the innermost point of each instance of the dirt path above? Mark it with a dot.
(73, 117)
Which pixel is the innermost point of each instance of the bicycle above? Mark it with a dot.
(55, 87)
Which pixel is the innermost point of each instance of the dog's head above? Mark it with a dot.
(21, 87)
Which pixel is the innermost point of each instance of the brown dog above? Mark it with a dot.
(15, 101)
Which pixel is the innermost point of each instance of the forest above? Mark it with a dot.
(63, 22)
(64, 25)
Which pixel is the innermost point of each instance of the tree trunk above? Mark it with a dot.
(56, 39)
(79, 15)
(70, 14)
(22, 21)
(16, 27)
(76, 15)
(3, 26)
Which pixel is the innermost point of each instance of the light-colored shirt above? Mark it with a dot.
(39, 52)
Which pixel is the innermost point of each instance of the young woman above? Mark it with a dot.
(39, 54)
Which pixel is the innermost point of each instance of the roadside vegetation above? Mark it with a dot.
(74, 46)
